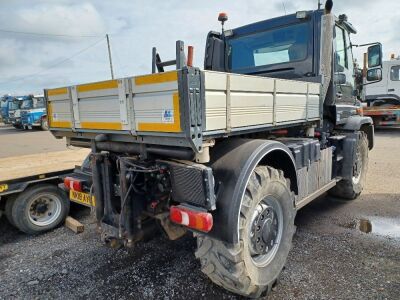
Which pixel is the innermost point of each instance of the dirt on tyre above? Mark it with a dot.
(266, 228)
(350, 189)
(40, 208)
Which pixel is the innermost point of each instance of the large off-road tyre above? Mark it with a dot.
(266, 227)
(40, 208)
(350, 189)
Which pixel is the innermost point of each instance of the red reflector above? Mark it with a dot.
(201, 221)
(73, 184)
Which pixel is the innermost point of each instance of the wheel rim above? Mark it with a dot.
(265, 231)
(357, 167)
(44, 209)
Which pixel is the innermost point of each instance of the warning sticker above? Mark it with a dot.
(168, 116)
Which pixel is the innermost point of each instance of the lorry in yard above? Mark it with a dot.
(33, 113)
(14, 111)
(4, 102)
(230, 152)
(29, 192)
(382, 99)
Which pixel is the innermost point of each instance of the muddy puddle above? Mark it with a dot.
(377, 225)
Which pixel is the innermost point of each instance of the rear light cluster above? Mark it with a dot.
(198, 220)
(73, 184)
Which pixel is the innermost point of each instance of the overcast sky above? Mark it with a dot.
(29, 63)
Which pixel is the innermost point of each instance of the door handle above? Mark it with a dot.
(391, 90)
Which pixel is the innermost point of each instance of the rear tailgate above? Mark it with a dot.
(147, 103)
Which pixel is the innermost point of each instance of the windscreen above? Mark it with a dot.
(39, 102)
(3, 104)
(26, 104)
(13, 105)
(275, 46)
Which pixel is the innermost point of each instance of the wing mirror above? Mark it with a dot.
(375, 56)
(339, 78)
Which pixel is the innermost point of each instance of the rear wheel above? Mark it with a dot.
(266, 227)
(350, 189)
(40, 208)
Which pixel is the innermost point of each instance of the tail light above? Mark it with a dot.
(73, 184)
(198, 220)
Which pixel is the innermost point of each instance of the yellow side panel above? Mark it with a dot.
(103, 85)
(56, 124)
(156, 78)
(101, 125)
(162, 127)
(55, 92)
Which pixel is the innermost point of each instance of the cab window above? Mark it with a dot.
(341, 52)
(395, 73)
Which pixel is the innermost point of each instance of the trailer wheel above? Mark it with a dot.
(350, 189)
(8, 209)
(266, 227)
(40, 208)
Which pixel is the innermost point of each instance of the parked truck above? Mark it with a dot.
(33, 113)
(230, 152)
(4, 102)
(382, 99)
(14, 111)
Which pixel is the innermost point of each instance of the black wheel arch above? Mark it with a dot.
(361, 123)
(233, 161)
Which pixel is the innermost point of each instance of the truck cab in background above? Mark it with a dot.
(4, 108)
(33, 113)
(14, 111)
(382, 98)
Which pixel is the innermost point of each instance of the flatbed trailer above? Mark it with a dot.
(29, 192)
(384, 115)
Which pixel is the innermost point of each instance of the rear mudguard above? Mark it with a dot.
(233, 161)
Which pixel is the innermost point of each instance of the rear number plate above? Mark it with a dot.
(82, 198)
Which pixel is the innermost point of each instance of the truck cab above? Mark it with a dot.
(4, 108)
(387, 91)
(297, 47)
(14, 111)
(33, 112)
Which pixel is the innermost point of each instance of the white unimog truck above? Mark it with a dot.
(230, 152)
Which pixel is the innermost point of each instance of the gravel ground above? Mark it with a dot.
(331, 258)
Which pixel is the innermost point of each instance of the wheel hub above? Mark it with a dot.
(264, 230)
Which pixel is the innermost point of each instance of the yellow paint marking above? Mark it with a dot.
(55, 124)
(59, 91)
(3, 187)
(165, 127)
(101, 125)
(103, 85)
(61, 124)
(156, 78)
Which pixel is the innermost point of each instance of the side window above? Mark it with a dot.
(341, 53)
(395, 73)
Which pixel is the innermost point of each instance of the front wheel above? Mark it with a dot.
(350, 189)
(40, 208)
(266, 228)
(44, 125)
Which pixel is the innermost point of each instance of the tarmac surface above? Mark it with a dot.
(341, 250)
